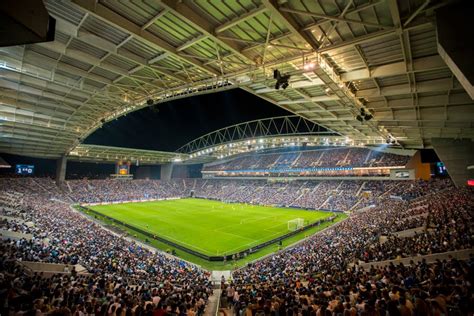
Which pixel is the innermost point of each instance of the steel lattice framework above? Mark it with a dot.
(293, 126)
(107, 154)
(110, 57)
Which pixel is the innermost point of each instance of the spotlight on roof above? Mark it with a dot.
(281, 80)
(391, 140)
(308, 65)
(150, 102)
(328, 92)
(365, 115)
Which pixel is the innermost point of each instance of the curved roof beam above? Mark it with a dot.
(275, 126)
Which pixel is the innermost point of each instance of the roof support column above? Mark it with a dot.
(457, 155)
(166, 171)
(61, 170)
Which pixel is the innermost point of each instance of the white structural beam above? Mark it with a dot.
(109, 47)
(442, 100)
(310, 100)
(37, 138)
(335, 18)
(158, 58)
(9, 99)
(154, 19)
(186, 13)
(191, 42)
(371, 37)
(51, 64)
(417, 11)
(20, 75)
(241, 18)
(38, 92)
(393, 69)
(97, 62)
(348, 12)
(39, 103)
(102, 12)
(293, 85)
(399, 68)
(420, 87)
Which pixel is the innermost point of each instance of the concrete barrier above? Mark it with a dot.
(12, 219)
(50, 269)
(458, 254)
(412, 232)
(6, 234)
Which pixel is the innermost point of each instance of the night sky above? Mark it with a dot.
(183, 120)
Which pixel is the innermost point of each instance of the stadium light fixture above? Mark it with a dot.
(308, 65)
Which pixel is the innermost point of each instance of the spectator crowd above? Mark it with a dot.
(124, 278)
(332, 157)
(323, 275)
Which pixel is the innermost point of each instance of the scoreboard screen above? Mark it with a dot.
(25, 169)
(123, 169)
(441, 169)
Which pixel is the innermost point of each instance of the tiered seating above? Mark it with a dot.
(318, 276)
(123, 275)
(334, 157)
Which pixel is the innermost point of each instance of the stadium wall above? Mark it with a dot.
(186, 171)
(90, 170)
(146, 172)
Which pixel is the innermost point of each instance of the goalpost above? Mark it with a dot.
(295, 224)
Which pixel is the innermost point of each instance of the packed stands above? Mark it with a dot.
(323, 275)
(334, 157)
(123, 276)
(319, 276)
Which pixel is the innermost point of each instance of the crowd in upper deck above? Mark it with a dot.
(333, 157)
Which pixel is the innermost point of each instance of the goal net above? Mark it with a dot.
(295, 224)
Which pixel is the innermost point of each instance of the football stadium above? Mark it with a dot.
(236, 157)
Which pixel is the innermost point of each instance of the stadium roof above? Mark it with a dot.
(110, 57)
(107, 154)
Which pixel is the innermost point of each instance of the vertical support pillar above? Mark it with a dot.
(166, 171)
(61, 170)
(457, 155)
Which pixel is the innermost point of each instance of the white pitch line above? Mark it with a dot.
(177, 241)
(254, 242)
(227, 233)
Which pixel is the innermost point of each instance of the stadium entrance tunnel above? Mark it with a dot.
(231, 256)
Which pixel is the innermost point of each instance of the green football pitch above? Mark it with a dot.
(209, 227)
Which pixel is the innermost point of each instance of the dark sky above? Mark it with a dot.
(183, 120)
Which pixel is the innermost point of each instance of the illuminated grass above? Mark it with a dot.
(211, 227)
